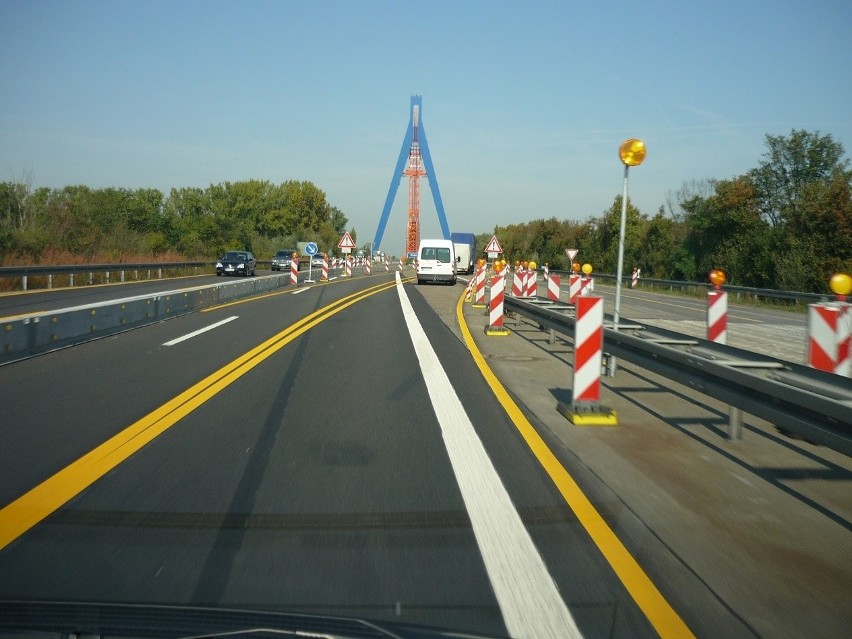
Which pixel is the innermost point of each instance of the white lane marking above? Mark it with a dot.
(301, 290)
(178, 340)
(528, 597)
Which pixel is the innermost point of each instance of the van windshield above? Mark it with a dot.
(441, 254)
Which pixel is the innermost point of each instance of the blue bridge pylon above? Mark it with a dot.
(404, 151)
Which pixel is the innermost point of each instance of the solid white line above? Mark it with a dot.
(528, 597)
(301, 290)
(178, 340)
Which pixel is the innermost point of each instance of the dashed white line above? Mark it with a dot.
(178, 340)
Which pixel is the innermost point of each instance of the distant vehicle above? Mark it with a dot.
(283, 259)
(465, 245)
(316, 261)
(236, 263)
(436, 262)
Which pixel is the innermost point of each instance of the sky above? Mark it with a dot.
(525, 104)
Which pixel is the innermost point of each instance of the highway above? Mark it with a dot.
(336, 449)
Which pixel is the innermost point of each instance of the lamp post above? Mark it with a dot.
(632, 153)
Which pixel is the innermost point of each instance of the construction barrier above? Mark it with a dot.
(348, 266)
(518, 283)
(531, 288)
(585, 408)
(717, 316)
(324, 267)
(479, 294)
(368, 268)
(830, 337)
(587, 285)
(553, 291)
(574, 283)
(294, 271)
(634, 278)
(495, 314)
(387, 266)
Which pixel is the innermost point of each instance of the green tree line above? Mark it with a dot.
(112, 223)
(786, 224)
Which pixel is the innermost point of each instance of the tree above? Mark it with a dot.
(789, 165)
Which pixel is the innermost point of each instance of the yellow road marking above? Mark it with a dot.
(659, 612)
(32, 507)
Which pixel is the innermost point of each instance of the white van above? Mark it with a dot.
(436, 261)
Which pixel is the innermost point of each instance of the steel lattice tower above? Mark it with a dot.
(414, 150)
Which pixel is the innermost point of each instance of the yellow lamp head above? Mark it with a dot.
(632, 152)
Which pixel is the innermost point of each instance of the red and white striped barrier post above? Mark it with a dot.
(294, 270)
(324, 267)
(547, 272)
(574, 283)
(368, 268)
(585, 408)
(586, 286)
(717, 309)
(479, 294)
(717, 316)
(400, 265)
(553, 291)
(532, 284)
(518, 283)
(387, 266)
(634, 278)
(348, 266)
(830, 338)
(495, 313)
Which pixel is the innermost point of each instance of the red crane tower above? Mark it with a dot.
(414, 172)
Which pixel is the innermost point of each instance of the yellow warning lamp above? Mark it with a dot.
(632, 152)
(294, 255)
(718, 277)
(575, 267)
(517, 263)
(587, 269)
(841, 285)
(533, 266)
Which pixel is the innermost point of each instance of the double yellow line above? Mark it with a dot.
(32, 507)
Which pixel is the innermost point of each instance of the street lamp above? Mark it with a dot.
(632, 153)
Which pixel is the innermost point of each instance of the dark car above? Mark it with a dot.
(236, 263)
(283, 259)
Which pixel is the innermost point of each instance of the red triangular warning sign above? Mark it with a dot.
(346, 241)
(493, 246)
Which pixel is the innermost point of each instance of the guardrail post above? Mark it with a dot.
(122, 276)
(159, 273)
(735, 424)
(50, 280)
(71, 279)
(24, 282)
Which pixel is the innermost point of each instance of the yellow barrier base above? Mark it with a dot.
(588, 416)
(496, 330)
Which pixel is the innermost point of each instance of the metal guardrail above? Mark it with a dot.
(811, 404)
(37, 333)
(767, 293)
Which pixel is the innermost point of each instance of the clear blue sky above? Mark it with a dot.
(524, 103)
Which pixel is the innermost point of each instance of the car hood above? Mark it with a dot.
(106, 620)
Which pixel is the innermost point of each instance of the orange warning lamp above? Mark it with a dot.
(718, 277)
(587, 268)
(841, 285)
(575, 267)
(632, 152)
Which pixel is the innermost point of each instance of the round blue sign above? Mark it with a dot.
(311, 248)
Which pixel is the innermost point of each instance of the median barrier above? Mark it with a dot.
(29, 335)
